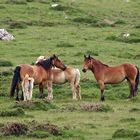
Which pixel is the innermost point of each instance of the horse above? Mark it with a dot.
(71, 75)
(105, 74)
(41, 72)
(27, 87)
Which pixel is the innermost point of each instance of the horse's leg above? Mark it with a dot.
(73, 88)
(50, 90)
(132, 84)
(78, 91)
(22, 96)
(41, 90)
(102, 87)
(17, 91)
(131, 89)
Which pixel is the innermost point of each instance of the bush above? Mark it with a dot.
(65, 45)
(85, 20)
(134, 110)
(96, 107)
(36, 105)
(39, 134)
(60, 8)
(5, 63)
(16, 2)
(14, 129)
(124, 133)
(17, 24)
(131, 39)
(9, 113)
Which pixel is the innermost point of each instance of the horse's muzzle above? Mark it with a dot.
(64, 68)
(84, 70)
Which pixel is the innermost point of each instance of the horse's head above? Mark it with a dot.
(87, 63)
(58, 63)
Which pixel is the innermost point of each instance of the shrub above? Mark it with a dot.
(134, 110)
(85, 20)
(50, 128)
(65, 45)
(39, 134)
(36, 105)
(124, 133)
(16, 2)
(96, 107)
(60, 8)
(14, 129)
(128, 120)
(5, 63)
(131, 39)
(17, 24)
(9, 113)
(120, 22)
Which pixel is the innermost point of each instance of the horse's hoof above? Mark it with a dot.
(74, 98)
(102, 99)
(17, 99)
(49, 98)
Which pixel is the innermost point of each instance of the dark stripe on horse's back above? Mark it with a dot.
(46, 64)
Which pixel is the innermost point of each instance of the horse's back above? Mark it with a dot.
(26, 69)
(37, 72)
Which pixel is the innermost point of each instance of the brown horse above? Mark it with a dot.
(41, 72)
(71, 75)
(112, 75)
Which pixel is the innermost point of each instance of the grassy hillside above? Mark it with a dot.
(74, 28)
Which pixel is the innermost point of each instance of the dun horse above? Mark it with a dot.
(27, 87)
(41, 72)
(72, 75)
(112, 75)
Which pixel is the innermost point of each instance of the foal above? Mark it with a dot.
(105, 74)
(27, 87)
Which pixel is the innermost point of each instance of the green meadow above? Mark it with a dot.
(70, 30)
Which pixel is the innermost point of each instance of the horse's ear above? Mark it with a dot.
(54, 56)
(89, 56)
(84, 56)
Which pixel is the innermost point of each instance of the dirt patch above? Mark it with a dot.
(96, 107)
(14, 129)
(52, 129)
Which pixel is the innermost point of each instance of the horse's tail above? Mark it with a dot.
(137, 80)
(77, 77)
(16, 78)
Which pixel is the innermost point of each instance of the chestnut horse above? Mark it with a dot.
(105, 74)
(71, 75)
(41, 73)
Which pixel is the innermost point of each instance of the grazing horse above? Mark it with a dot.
(72, 75)
(105, 74)
(27, 87)
(41, 72)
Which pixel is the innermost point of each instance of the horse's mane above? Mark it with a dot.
(100, 62)
(46, 64)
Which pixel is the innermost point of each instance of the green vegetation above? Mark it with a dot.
(70, 30)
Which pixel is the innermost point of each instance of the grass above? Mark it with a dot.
(71, 30)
